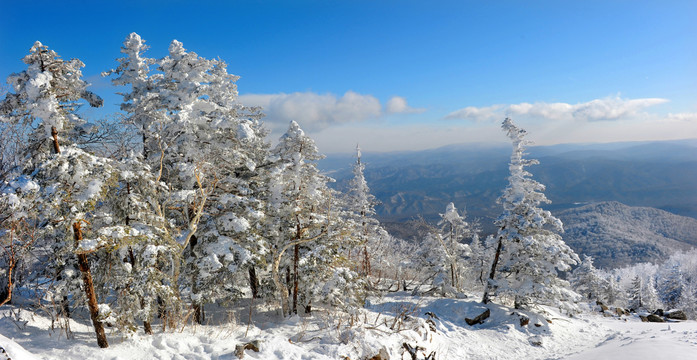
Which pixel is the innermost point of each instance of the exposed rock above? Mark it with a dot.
(536, 341)
(382, 355)
(676, 315)
(658, 312)
(240, 348)
(643, 318)
(603, 308)
(619, 311)
(479, 319)
(524, 320)
(431, 314)
(655, 318)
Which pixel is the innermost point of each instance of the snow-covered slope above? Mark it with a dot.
(617, 235)
(432, 324)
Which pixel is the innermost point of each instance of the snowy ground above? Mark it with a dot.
(387, 324)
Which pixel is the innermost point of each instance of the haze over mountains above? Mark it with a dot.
(661, 175)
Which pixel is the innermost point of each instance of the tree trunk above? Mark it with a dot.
(296, 258)
(275, 273)
(10, 268)
(279, 285)
(147, 327)
(54, 134)
(89, 290)
(199, 313)
(145, 147)
(485, 298)
(366, 261)
(253, 282)
(65, 306)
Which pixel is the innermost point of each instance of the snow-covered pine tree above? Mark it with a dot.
(443, 251)
(18, 230)
(144, 262)
(613, 293)
(70, 181)
(206, 147)
(670, 285)
(300, 217)
(650, 295)
(434, 258)
(636, 293)
(142, 104)
(587, 281)
(454, 229)
(478, 262)
(45, 98)
(688, 300)
(225, 143)
(529, 252)
(368, 233)
(327, 273)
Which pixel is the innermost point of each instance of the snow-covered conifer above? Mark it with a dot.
(688, 300)
(144, 259)
(529, 251)
(301, 217)
(670, 285)
(635, 293)
(478, 262)
(142, 103)
(206, 147)
(45, 98)
(367, 232)
(613, 293)
(454, 229)
(650, 299)
(587, 281)
(70, 182)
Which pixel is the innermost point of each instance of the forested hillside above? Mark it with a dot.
(617, 235)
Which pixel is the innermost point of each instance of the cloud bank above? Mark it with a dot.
(319, 111)
(398, 105)
(611, 108)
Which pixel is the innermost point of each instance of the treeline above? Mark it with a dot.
(646, 286)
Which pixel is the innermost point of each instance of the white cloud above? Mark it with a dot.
(688, 117)
(314, 111)
(477, 113)
(398, 105)
(417, 136)
(610, 108)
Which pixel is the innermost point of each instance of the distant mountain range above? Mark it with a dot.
(661, 175)
(654, 174)
(615, 234)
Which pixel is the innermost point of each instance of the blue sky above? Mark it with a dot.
(398, 75)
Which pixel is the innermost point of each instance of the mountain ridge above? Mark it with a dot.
(615, 234)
